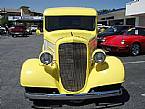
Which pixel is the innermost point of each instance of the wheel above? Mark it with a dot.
(135, 49)
(14, 36)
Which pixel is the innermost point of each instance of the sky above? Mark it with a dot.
(40, 5)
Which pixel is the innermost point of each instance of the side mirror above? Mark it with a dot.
(38, 32)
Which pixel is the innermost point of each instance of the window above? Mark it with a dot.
(70, 22)
(142, 31)
(111, 29)
(131, 31)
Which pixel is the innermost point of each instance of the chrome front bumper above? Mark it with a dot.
(85, 96)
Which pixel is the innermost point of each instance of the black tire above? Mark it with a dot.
(135, 49)
(14, 36)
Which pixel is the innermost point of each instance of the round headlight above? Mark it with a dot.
(46, 58)
(99, 57)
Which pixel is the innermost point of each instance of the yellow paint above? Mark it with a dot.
(110, 72)
(40, 76)
(70, 11)
(35, 74)
(38, 32)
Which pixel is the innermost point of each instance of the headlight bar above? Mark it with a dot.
(99, 57)
(46, 58)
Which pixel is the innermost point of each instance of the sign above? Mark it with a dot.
(31, 18)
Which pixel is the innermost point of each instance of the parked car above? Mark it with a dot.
(33, 28)
(70, 68)
(132, 41)
(113, 30)
(29, 32)
(3, 30)
(18, 30)
(102, 28)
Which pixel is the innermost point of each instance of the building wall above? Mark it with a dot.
(135, 7)
(117, 15)
(21, 15)
(26, 12)
(141, 20)
(22, 11)
(118, 18)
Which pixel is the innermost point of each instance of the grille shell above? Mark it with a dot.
(73, 65)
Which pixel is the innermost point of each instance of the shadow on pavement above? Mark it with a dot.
(100, 103)
(123, 54)
(113, 101)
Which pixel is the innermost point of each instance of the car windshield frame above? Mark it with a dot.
(131, 31)
(111, 29)
(70, 22)
(116, 29)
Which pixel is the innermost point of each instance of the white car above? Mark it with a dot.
(2, 30)
(33, 28)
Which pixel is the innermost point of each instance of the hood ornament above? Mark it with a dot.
(71, 34)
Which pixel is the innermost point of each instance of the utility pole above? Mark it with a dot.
(4, 13)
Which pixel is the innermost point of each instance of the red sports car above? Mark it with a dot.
(132, 41)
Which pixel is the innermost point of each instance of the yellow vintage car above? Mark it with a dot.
(70, 67)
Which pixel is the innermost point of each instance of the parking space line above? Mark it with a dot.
(135, 62)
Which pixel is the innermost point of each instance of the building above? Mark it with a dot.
(25, 11)
(136, 8)
(133, 14)
(116, 17)
(22, 15)
(9, 12)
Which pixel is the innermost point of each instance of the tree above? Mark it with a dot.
(105, 11)
(3, 20)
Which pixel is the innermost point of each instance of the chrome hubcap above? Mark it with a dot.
(135, 49)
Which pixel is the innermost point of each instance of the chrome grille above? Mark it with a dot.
(73, 64)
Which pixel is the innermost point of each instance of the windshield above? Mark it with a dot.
(131, 31)
(70, 22)
(111, 29)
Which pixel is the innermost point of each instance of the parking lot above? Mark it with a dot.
(14, 51)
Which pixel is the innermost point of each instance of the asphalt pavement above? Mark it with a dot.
(14, 51)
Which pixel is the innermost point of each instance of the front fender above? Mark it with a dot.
(35, 74)
(107, 73)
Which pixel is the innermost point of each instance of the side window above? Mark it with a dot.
(142, 31)
(131, 32)
(124, 29)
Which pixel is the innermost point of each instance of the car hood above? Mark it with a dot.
(113, 40)
(54, 36)
(104, 34)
